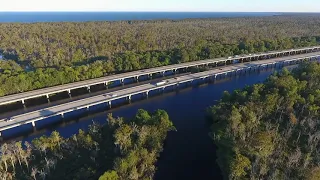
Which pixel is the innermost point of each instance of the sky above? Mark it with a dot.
(163, 5)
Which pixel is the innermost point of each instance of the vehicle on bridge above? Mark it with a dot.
(161, 83)
(113, 95)
(9, 119)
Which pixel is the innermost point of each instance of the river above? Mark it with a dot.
(189, 153)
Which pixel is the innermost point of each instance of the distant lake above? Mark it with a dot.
(30, 17)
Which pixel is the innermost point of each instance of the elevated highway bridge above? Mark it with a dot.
(46, 92)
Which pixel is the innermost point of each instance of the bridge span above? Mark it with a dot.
(46, 92)
(61, 110)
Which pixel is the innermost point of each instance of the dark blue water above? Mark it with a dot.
(189, 153)
(30, 17)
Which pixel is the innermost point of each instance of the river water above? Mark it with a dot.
(189, 153)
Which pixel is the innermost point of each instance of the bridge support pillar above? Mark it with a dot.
(106, 84)
(147, 94)
(175, 71)
(48, 98)
(88, 88)
(214, 78)
(162, 73)
(233, 72)
(122, 82)
(23, 103)
(62, 115)
(136, 78)
(69, 93)
(229, 74)
(129, 98)
(33, 124)
(109, 104)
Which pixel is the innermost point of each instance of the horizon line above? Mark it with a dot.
(76, 11)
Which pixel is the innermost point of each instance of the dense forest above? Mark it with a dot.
(271, 130)
(38, 55)
(119, 150)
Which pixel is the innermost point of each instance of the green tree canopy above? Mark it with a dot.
(270, 130)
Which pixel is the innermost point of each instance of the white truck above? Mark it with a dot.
(160, 83)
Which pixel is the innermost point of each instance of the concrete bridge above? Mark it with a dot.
(46, 92)
(61, 110)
